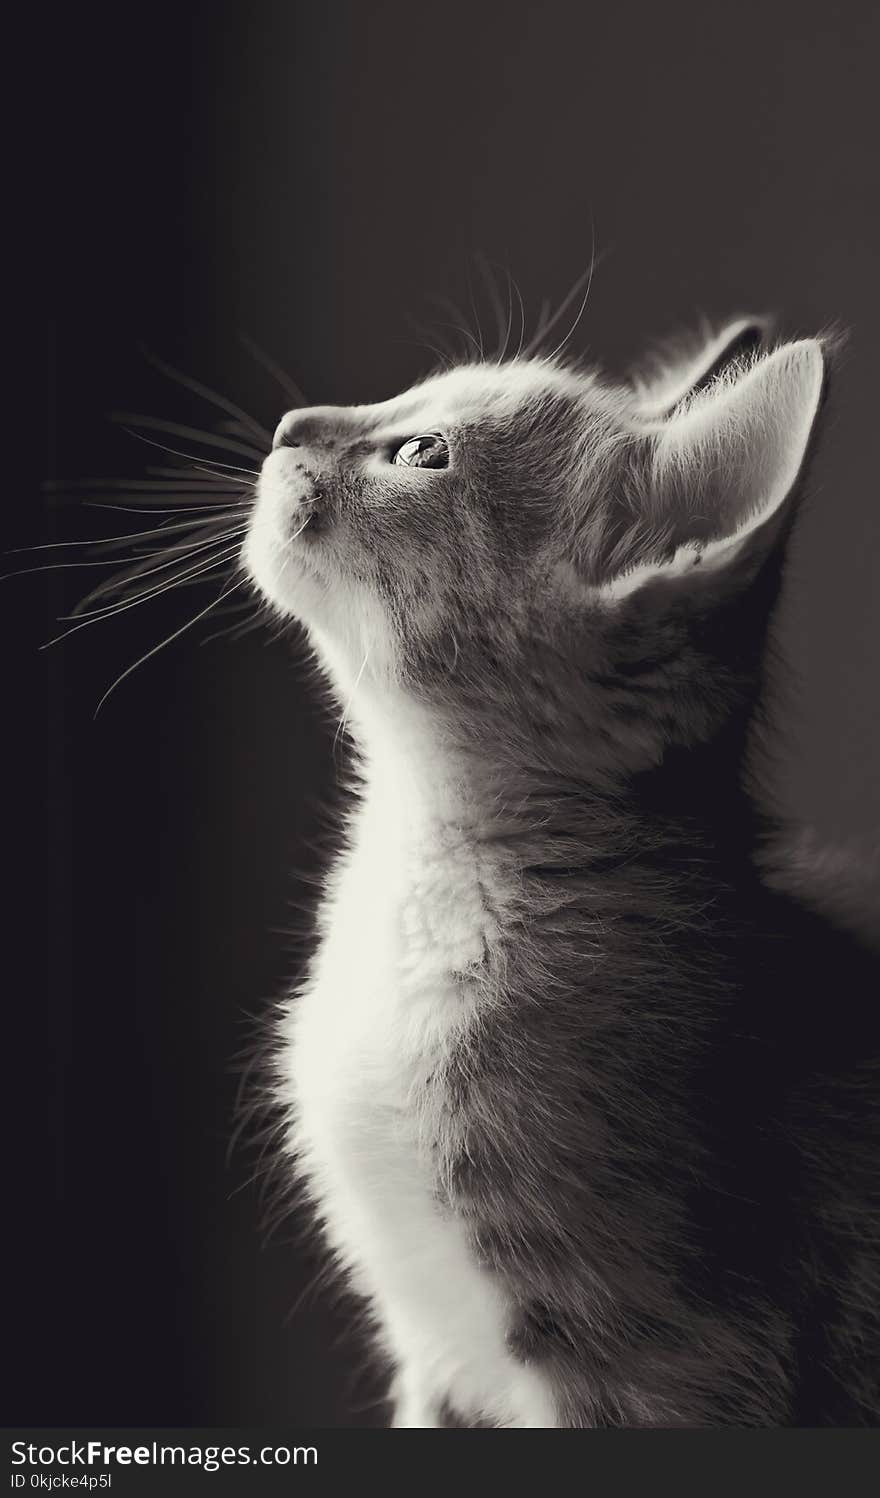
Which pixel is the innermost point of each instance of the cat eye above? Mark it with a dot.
(428, 451)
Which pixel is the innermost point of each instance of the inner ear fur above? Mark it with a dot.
(687, 364)
(709, 481)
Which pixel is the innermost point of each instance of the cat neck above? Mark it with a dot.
(691, 806)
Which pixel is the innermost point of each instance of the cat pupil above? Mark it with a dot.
(428, 451)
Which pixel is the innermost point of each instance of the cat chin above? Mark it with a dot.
(281, 573)
(272, 555)
(348, 629)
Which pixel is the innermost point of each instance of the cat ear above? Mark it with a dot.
(720, 469)
(684, 368)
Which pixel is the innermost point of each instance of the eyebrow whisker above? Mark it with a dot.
(485, 268)
(503, 352)
(476, 314)
(522, 320)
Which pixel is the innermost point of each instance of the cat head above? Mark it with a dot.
(503, 541)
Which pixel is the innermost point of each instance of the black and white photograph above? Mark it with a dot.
(442, 687)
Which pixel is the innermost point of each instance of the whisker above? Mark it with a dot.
(156, 509)
(278, 374)
(192, 458)
(541, 325)
(199, 510)
(147, 486)
(340, 727)
(580, 312)
(128, 419)
(463, 332)
(138, 571)
(476, 314)
(143, 597)
(235, 630)
(157, 530)
(459, 325)
(219, 481)
(92, 562)
(441, 351)
(174, 583)
(237, 429)
(191, 545)
(167, 641)
(484, 267)
(220, 401)
(188, 545)
(522, 320)
(134, 574)
(503, 352)
(548, 322)
(595, 260)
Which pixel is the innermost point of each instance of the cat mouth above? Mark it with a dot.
(294, 500)
(305, 521)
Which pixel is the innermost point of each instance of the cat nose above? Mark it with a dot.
(308, 428)
(285, 432)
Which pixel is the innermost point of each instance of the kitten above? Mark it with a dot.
(581, 1097)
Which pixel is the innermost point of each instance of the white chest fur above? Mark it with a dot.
(398, 982)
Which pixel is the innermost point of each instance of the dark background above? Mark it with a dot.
(312, 175)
